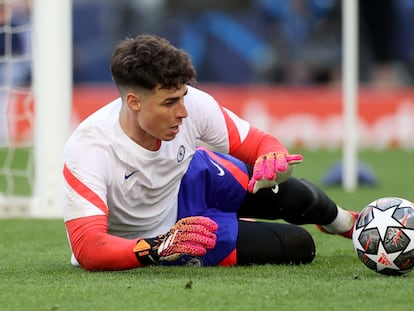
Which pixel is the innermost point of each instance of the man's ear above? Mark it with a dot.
(133, 101)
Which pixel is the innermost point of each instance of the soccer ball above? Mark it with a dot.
(383, 236)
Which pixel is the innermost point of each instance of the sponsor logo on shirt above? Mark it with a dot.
(129, 175)
(219, 168)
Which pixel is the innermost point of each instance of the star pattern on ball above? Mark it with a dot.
(383, 243)
(410, 234)
(355, 240)
(384, 260)
(381, 217)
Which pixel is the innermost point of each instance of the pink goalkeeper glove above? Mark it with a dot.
(272, 169)
(189, 236)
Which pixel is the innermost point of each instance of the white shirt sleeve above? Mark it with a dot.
(213, 124)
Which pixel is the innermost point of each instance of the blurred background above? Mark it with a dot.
(294, 42)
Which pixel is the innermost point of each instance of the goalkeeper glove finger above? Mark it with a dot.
(189, 236)
(272, 169)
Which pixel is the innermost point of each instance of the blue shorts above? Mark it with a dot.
(214, 186)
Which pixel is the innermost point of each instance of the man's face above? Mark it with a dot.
(162, 112)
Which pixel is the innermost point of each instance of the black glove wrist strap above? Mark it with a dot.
(146, 251)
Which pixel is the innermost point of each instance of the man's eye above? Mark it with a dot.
(171, 102)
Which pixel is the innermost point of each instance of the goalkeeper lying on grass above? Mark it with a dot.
(138, 191)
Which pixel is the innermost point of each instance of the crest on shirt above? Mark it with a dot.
(180, 154)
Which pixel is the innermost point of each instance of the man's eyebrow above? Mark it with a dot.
(176, 97)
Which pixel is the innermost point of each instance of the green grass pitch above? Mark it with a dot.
(35, 273)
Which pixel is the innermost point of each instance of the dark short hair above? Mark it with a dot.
(147, 61)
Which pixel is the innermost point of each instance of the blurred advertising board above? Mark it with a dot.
(309, 117)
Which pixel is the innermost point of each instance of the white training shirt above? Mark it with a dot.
(140, 187)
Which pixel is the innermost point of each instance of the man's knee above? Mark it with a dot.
(273, 243)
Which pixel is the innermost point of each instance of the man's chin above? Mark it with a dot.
(168, 138)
